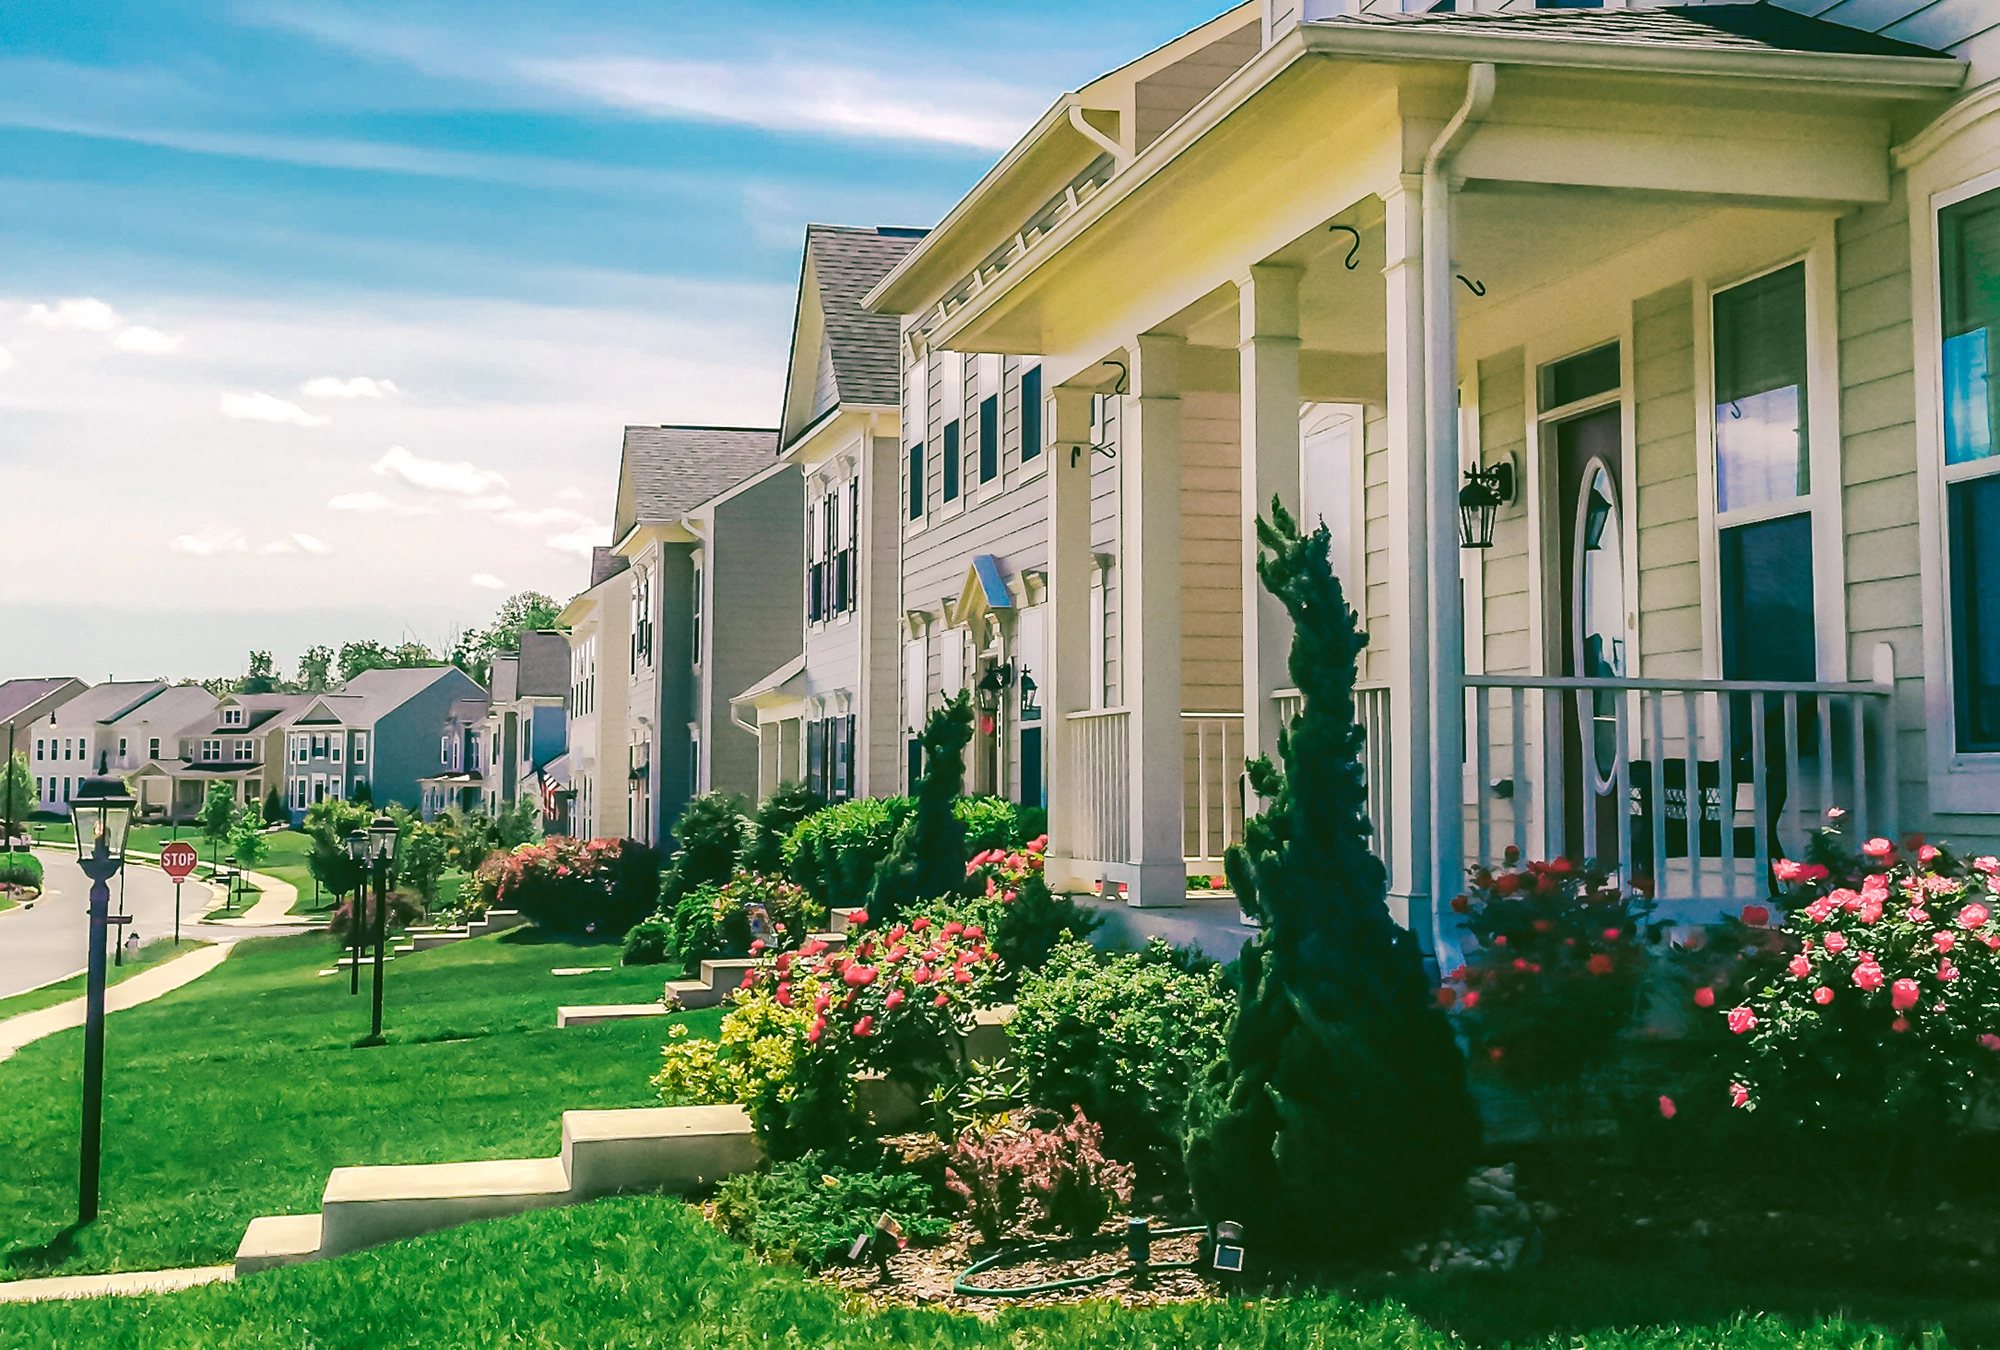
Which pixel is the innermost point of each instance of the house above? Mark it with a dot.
(24, 702)
(144, 744)
(665, 473)
(373, 738)
(240, 740)
(1635, 362)
(458, 783)
(828, 715)
(598, 624)
(526, 699)
(73, 741)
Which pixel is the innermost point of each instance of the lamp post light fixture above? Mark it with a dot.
(101, 812)
(1479, 503)
(381, 856)
(357, 853)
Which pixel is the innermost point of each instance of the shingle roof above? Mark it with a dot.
(667, 471)
(184, 702)
(604, 565)
(846, 262)
(16, 696)
(1714, 27)
(102, 702)
(544, 669)
(373, 694)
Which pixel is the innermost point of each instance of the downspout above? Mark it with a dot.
(1447, 617)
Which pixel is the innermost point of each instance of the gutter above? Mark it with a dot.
(1446, 595)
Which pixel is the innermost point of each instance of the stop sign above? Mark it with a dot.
(177, 860)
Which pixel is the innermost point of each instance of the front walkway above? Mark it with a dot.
(122, 1282)
(274, 903)
(144, 987)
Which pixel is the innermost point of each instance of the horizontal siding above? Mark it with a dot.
(1382, 583)
(1211, 553)
(1506, 600)
(1667, 499)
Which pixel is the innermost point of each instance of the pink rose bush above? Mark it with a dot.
(1880, 1002)
(571, 885)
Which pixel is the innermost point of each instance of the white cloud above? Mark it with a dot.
(89, 314)
(488, 581)
(570, 494)
(210, 542)
(360, 501)
(548, 515)
(7, 361)
(148, 341)
(436, 475)
(310, 544)
(264, 408)
(784, 95)
(580, 541)
(332, 386)
(495, 503)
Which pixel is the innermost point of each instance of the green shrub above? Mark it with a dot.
(20, 869)
(927, 859)
(649, 943)
(565, 885)
(275, 812)
(995, 822)
(809, 1210)
(1058, 1179)
(1126, 1037)
(704, 927)
(1013, 902)
(835, 852)
(404, 910)
(777, 816)
(1340, 1126)
(710, 834)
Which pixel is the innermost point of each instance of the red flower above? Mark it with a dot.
(1945, 939)
(1507, 883)
(1497, 1053)
(919, 924)
(857, 976)
(1836, 943)
(1704, 997)
(894, 1001)
(1741, 1020)
(1460, 903)
(1868, 976)
(1878, 848)
(865, 1027)
(1801, 965)
(1667, 1108)
(1542, 925)
(858, 917)
(1900, 1024)
(1927, 854)
(1871, 907)
(941, 1000)
(1990, 866)
(1520, 963)
(1511, 854)
(1947, 972)
(1600, 964)
(784, 996)
(1784, 869)
(1973, 915)
(964, 975)
(1903, 995)
(1757, 916)
(1499, 939)
(1990, 1041)
(818, 1028)
(1613, 934)
(1822, 996)
(1739, 1095)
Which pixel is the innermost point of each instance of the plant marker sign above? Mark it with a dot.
(177, 860)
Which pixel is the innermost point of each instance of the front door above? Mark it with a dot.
(1591, 520)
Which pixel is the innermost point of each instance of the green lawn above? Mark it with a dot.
(151, 954)
(234, 1096)
(646, 1271)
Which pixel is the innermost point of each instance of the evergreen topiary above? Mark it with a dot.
(927, 861)
(777, 816)
(710, 832)
(1340, 1125)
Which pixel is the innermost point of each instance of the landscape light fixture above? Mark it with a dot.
(1479, 503)
(101, 812)
(1226, 1249)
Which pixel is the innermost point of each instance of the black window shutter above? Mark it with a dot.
(989, 438)
(1031, 413)
(951, 461)
(917, 481)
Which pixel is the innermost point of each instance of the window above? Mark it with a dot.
(917, 481)
(38, 749)
(121, 747)
(1575, 378)
(232, 717)
(1969, 283)
(1031, 413)
(816, 540)
(67, 743)
(989, 438)
(211, 750)
(244, 751)
(1760, 392)
(951, 461)
(444, 750)
(334, 742)
(360, 747)
(694, 620)
(153, 748)
(642, 619)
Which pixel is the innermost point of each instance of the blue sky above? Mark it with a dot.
(320, 321)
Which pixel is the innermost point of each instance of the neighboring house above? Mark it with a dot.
(523, 730)
(829, 717)
(376, 735)
(459, 781)
(74, 740)
(27, 701)
(1707, 303)
(240, 740)
(663, 473)
(144, 745)
(598, 622)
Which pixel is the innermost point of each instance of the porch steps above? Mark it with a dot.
(657, 1149)
(591, 1014)
(718, 980)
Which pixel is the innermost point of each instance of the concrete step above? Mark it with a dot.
(590, 1014)
(423, 942)
(675, 1149)
(496, 921)
(278, 1240)
(693, 993)
(365, 1206)
(725, 975)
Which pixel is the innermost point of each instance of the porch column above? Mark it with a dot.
(1268, 306)
(1149, 459)
(1409, 561)
(1067, 660)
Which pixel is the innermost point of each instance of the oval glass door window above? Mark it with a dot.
(1600, 608)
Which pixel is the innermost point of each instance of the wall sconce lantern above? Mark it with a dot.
(1479, 503)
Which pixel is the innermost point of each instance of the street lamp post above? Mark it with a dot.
(101, 811)
(381, 854)
(357, 853)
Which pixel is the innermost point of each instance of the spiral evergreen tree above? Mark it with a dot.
(1339, 1126)
(927, 859)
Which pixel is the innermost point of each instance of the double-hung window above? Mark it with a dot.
(816, 542)
(694, 619)
(1763, 483)
(951, 408)
(1969, 288)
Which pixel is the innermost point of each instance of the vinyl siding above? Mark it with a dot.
(1382, 581)
(1211, 553)
(1163, 98)
(1505, 589)
(754, 614)
(881, 613)
(1665, 495)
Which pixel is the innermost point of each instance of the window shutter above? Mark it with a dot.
(989, 438)
(917, 481)
(951, 465)
(1031, 413)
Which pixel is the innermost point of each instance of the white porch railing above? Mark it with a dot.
(1601, 768)
(1371, 711)
(1212, 792)
(1101, 784)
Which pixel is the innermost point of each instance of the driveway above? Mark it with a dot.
(53, 939)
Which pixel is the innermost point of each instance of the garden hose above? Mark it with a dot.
(961, 1288)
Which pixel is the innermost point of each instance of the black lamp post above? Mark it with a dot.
(381, 854)
(357, 853)
(101, 811)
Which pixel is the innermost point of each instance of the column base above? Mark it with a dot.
(1157, 885)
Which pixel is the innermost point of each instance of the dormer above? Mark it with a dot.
(234, 715)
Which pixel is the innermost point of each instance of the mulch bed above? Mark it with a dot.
(923, 1275)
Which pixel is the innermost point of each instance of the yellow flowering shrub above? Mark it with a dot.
(748, 1062)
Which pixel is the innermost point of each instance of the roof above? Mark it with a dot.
(104, 702)
(544, 669)
(17, 696)
(264, 712)
(665, 471)
(1701, 27)
(373, 694)
(843, 263)
(469, 710)
(176, 706)
(605, 564)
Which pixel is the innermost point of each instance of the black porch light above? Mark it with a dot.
(101, 811)
(1479, 503)
(991, 686)
(382, 839)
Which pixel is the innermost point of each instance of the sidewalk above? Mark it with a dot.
(144, 987)
(274, 905)
(123, 1282)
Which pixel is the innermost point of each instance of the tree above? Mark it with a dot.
(17, 792)
(776, 817)
(366, 654)
(263, 676)
(927, 859)
(1340, 1125)
(217, 814)
(710, 834)
(328, 823)
(275, 812)
(246, 837)
(473, 652)
(316, 670)
(420, 856)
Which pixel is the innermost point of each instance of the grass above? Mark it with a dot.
(234, 1096)
(647, 1271)
(151, 954)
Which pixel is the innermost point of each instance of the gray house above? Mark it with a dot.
(376, 735)
(523, 729)
(458, 783)
(25, 702)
